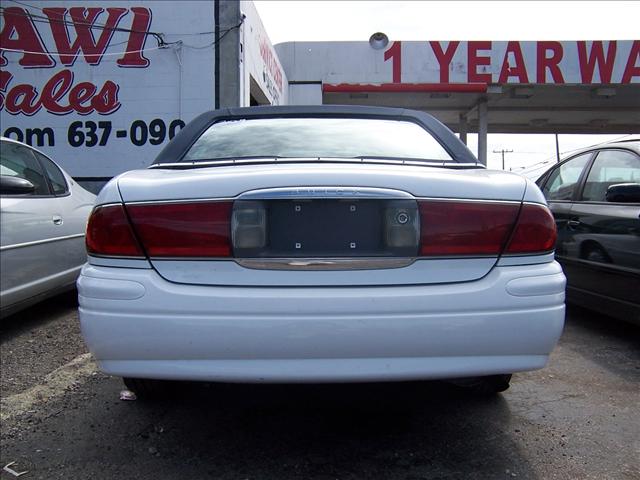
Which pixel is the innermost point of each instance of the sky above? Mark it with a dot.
(464, 20)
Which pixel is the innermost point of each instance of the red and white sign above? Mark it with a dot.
(103, 85)
(475, 63)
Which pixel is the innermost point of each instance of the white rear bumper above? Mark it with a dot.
(139, 325)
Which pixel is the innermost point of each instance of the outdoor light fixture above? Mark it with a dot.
(606, 92)
(378, 41)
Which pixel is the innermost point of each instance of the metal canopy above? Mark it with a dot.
(519, 108)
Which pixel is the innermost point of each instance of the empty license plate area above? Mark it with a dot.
(311, 228)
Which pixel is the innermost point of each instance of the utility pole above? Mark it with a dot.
(503, 151)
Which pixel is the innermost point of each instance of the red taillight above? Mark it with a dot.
(535, 231)
(484, 228)
(200, 229)
(465, 228)
(109, 233)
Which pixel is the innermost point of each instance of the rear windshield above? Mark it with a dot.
(316, 137)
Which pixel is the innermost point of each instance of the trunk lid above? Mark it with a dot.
(327, 221)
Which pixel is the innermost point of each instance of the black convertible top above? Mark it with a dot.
(176, 149)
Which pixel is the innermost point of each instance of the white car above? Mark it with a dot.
(43, 216)
(320, 244)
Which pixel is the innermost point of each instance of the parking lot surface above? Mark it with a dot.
(579, 418)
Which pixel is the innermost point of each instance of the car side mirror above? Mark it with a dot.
(623, 193)
(10, 185)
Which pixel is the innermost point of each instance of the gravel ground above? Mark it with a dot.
(38, 340)
(579, 418)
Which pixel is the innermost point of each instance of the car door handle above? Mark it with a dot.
(57, 220)
(573, 223)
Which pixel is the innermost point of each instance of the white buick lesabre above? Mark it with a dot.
(320, 244)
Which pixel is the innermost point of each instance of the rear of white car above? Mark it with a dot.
(250, 268)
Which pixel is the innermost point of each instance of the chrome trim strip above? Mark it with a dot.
(369, 263)
(110, 204)
(117, 257)
(525, 254)
(184, 200)
(40, 242)
(119, 262)
(468, 200)
(346, 192)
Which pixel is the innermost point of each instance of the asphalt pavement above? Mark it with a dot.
(579, 418)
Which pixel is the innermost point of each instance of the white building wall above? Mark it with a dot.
(259, 60)
(305, 94)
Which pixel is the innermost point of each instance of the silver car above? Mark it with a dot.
(43, 215)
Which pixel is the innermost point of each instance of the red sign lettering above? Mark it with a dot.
(5, 78)
(271, 63)
(543, 62)
(632, 68)
(83, 22)
(444, 58)
(20, 34)
(141, 23)
(54, 90)
(474, 61)
(22, 99)
(596, 55)
(82, 98)
(395, 54)
(519, 70)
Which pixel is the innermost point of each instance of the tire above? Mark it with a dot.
(147, 389)
(597, 254)
(489, 385)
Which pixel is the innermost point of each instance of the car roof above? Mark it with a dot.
(11, 140)
(626, 143)
(633, 143)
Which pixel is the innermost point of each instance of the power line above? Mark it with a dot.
(104, 26)
(215, 41)
(157, 36)
(45, 19)
(503, 151)
(81, 54)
